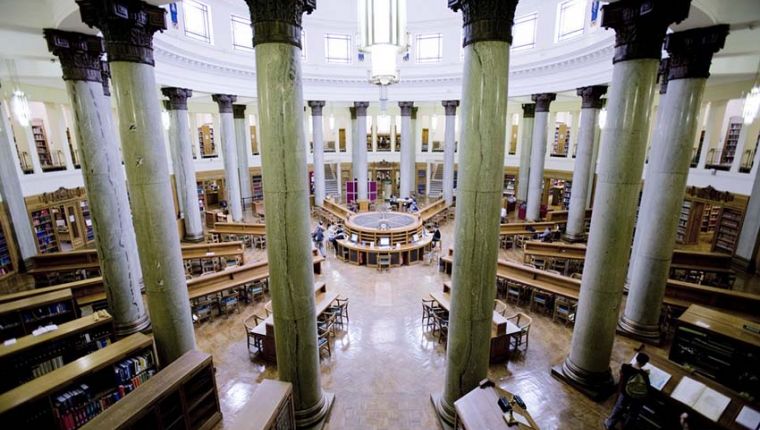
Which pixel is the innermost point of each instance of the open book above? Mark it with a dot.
(657, 377)
(701, 398)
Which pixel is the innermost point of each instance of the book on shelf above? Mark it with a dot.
(701, 398)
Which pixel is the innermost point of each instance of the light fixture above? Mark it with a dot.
(383, 35)
(165, 120)
(602, 117)
(20, 108)
(751, 105)
(331, 121)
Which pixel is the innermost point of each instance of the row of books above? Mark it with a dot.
(126, 371)
(46, 312)
(76, 407)
(47, 366)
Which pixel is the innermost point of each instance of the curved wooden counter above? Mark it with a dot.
(364, 255)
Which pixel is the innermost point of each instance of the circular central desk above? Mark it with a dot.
(383, 239)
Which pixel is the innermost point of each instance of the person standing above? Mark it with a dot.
(633, 390)
(319, 239)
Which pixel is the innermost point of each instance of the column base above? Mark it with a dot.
(573, 239)
(597, 386)
(315, 417)
(194, 238)
(646, 333)
(445, 413)
(141, 325)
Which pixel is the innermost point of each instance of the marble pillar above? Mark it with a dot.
(526, 145)
(319, 151)
(229, 151)
(243, 145)
(354, 148)
(639, 35)
(538, 155)
(688, 68)
(407, 150)
(128, 30)
(181, 144)
(481, 161)
(360, 171)
(277, 39)
(449, 146)
(115, 242)
(584, 167)
(594, 159)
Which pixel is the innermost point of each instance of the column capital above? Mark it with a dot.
(352, 111)
(640, 26)
(591, 96)
(529, 110)
(238, 111)
(450, 106)
(485, 20)
(406, 108)
(105, 73)
(177, 97)
(316, 107)
(224, 101)
(361, 108)
(127, 26)
(79, 54)
(278, 21)
(543, 100)
(691, 51)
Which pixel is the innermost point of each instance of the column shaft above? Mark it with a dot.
(319, 154)
(536, 173)
(242, 143)
(449, 159)
(407, 151)
(360, 172)
(526, 147)
(583, 170)
(229, 152)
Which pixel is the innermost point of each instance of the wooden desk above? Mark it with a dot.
(560, 217)
(270, 408)
(338, 211)
(15, 324)
(554, 250)
(242, 229)
(479, 410)
(681, 295)
(432, 210)
(78, 289)
(521, 228)
(365, 255)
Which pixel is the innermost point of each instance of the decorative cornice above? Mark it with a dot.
(485, 20)
(79, 54)
(691, 51)
(127, 25)
(177, 97)
(662, 75)
(278, 21)
(238, 111)
(543, 100)
(224, 101)
(591, 96)
(316, 107)
(361, 108)
(105, 73)
(640, 25)
(450, 106)
(529, 110)
(406, 108)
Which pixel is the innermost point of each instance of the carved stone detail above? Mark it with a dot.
(361, 108)
(127, 25)
(238, 111)
(79, 54)
(105, 73)
(640, 25)
(543, 100)
(316, 107)
(406, 108)
(662, 75)
(450, 106)
(591, 96)
(177, 97)
(224, 101)
(485, 20)
(691, 51)
(529, 110)
(278, 21)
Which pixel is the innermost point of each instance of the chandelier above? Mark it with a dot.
(383, 35)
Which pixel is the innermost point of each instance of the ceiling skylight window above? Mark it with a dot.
(242, 33)
(524, 32)
(571, 19)
(338, 48)
(197, 24)
(429, 48)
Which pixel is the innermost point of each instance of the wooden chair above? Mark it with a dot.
(514, 292)
(383, 262)
(327, 321)
(228, 303)
(323, 340)
(564, 310)
(538, 263)
(542, 300)
(523, 337)
(499, 307)
(576, 275)
(256, 289)
(250, 324)
(441, 321)
(428, 309)
(340, 309)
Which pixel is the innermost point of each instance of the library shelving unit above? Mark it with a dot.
(211, 191)
(206, 141)
(41, 144)
(6, 258)
(42, 223)
(689, 222)
(61, 219)
(566, 194)
(270, 408)
(89, 236)
(561, 140)
(33, 356)
(719, 346)
(183, 395)
(70, 396)
(509, 184)
(258, 187)
(19, 318)
(727, 230)
(710, 218)
(732, 140)
(421, 180)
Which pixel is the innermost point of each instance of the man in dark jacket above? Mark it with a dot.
(633, 391)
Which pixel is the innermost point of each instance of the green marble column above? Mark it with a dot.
(277, 31)
(487, 36)
(640, 28)
(128, 29)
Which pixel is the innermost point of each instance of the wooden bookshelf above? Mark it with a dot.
(731, 141)
(727, 230)
(82, 388)
(206, 141)
(182, 396)
(561, 140)
(33, 356)
(21, 317)
(258, 188)
(42, 224)
(7, 263)
(41, 144)
(84, 207)
(61, 219)
(689, 222)
(270, 408)
(718, 346)
(566, 191)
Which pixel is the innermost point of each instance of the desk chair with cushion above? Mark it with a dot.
(564, 310)
(250, 324)
(514, 292)
(256, 289)
(538, 263)
(499, 307)
(507, 242)
(383, 262)
(201, 308)
(521, 338)
(541, 300)
(228, 303)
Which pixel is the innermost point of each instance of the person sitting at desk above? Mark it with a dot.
(503, 215)
(546, 236)
(413, 206)
(336, 235)
(436, 237)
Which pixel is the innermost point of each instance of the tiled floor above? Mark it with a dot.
(383, 367)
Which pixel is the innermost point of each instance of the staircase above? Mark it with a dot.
(331, 181)
(436, 181)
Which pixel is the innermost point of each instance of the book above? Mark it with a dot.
(657, 377)
(701, 398)
(748, 418)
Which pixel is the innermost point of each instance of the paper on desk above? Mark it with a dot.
(521, 419)
(711, 404)
(688, 391)
(657, 377)
(748, 418)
